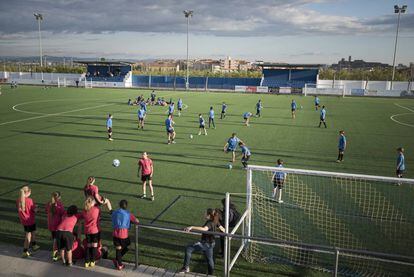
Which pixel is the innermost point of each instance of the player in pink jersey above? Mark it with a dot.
(54, 211)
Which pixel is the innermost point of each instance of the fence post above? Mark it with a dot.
(136, 246)
(226, 239)
(336, 263)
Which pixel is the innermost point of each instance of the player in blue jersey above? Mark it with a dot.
(179, 106)
(317, 101)
(109, 127)
(169, 125)
(171, 108)
(202, 126)
(211, 118)
(141, 118)
(143, 105)
(223, 110)
(245, 154)
(400, 162)
(231, 146)
(246, 117)
(279, 178)
(322, 117)
(259, 108)
(153, 96)
(293, 108)
(341, 146)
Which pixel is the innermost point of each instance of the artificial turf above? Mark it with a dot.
(55, 138)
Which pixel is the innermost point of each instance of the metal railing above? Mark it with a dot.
(337, 252)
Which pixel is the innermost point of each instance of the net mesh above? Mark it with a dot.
(343, 212)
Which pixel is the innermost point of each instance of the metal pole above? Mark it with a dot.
(226, 239)
(136, 246)
(40, 44)
(187, 85)
(395, 50)
(336, 263)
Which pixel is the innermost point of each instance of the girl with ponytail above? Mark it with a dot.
(92, 190)
(54, 211)
(207, 242)
(27, 209)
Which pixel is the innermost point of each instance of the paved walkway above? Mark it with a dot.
(11, 264)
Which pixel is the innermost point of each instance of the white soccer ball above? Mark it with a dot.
(116, 163)
(230, 166)
(191, 136)
(301, 106)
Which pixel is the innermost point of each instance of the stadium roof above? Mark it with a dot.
(109, 63)
(289, 66)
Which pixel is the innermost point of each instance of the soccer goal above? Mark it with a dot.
(88, 84)
(324, 89)
(346, 223)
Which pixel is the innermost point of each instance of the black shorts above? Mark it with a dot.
(146, 178)
(278, 183)
(29, 228)
(110, 130)
(140, 119)
(64, 240)
(93, 238)
(399, 172)
(293, 110)
(54, 234)
(245, 159)
(322, 119)
(341, 150)
(202, 126)
(180, 109)
(124, 243)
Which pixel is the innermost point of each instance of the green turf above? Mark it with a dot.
(58, 139)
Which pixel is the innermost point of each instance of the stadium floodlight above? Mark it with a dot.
(39, 18)
(398, 10)
(187, 14)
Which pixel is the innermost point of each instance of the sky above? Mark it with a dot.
(294, 31)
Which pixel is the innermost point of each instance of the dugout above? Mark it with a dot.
(289, 78)
(111, 71)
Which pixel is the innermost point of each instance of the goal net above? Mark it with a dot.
(88, 83)
(370, 219)
(324, 89)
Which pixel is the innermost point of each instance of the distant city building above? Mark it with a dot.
(161, 66)
(357, 64)
(229, 65)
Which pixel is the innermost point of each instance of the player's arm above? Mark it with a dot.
(133, 219)
(196, 228)
(152, 170)
(139, 166)
(225, 146)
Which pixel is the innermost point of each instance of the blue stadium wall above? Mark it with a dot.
(195, 82)
(295, 78)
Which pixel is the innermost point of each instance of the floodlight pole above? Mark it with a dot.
(398, 10)
(39, 18)
(187, 14)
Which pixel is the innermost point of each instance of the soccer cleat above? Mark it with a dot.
(184, 270)
(55, 256)
(115, 263)
(26, 254)
(120, 267)
(87, 265)
(110, 139)
(143, 196)
(152, 198)
(279, 201)
(92, 264)
(68, 264)
(338, 161)
(173, 142)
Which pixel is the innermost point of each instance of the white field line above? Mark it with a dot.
(392, 117)
(53, 114)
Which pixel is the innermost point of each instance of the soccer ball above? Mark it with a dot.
(230, 166)
(191, 136)
(301, 106)
(116, 163)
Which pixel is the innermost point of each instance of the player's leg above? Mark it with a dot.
(205, 131)
(214, 124)
(339, 156)
(144, 187)
(151, 188)
(173, 137)
(209, 122)
(233, 154)
(199, 131)
(324, 123)
(279, 194)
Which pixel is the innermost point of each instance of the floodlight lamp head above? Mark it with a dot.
(188, 13)
(38, 16)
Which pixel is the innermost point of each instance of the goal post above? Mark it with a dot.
(88, 83)
(360, 213)
(324, 89)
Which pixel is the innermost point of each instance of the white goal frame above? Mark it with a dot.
(245, 221)
(88, 84)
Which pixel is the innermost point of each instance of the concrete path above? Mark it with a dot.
(11, 264)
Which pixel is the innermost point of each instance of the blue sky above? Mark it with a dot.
(308, 31)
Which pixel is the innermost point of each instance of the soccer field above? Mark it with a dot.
(53, 139)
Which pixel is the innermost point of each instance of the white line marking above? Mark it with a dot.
(392, 117)
(401, 106)
(54, 114)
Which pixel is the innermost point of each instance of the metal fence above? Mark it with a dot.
(335, 252)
